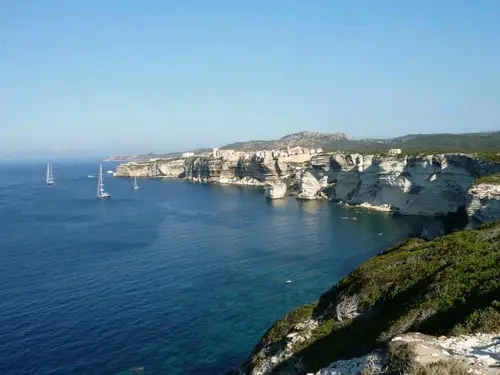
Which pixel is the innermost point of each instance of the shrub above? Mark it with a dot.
(449, 285)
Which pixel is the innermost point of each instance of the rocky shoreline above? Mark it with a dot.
(391, 315)
(407, 185)
(410, 310)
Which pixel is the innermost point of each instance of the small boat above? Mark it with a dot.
(110, 171)
(49, 179)
(136, 187)
(101, 193)
(90, 176)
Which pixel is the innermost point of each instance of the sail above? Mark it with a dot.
(100, 184)
(49, 180)
(101, 193)
(99, 181)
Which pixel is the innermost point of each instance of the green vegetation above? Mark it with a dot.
(490, 179)
(488, 155)
(283, 326)
(484, 143)
(447, 286)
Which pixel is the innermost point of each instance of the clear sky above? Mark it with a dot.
(144, 75)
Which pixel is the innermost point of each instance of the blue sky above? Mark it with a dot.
(136, 76)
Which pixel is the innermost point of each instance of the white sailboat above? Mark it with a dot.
(136, 187)
(101, 193)
(49, 179)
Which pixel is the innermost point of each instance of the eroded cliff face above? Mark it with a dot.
(247, 171)
(426, 185)
(275, 190)
(412, 293)
(483, 203)
(172, 168)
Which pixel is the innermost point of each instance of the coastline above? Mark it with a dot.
(430, 185)
(385, 317)
(300, 342)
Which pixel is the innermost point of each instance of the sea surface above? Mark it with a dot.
(175, 278)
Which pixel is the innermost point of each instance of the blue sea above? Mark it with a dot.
(174, 278)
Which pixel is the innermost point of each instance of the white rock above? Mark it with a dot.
(275, 190)
(309, 187)
(483, 203)
(480, 351)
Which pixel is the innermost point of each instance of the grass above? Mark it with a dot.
(487, 155)
(490, 179)
(282, 327)
(447, 286)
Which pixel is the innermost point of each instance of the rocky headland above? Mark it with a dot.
(418, 308)
(425, 306)
(436, 185)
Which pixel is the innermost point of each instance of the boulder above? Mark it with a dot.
(275, 190)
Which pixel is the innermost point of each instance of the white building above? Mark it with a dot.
(215, 152)
(187, 154)
(395, 151)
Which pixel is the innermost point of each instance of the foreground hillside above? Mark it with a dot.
(449, 286)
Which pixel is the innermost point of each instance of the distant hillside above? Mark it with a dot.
(486, 142)
(469, 141)
(333, 141)
(304, 139)
(152, 155)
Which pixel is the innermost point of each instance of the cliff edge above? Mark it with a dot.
(432, 185)
(418, 308)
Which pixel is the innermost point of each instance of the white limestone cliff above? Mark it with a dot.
(240, 171)
(310, 187)
(426, 185)
(423, 185)
(483, 203)
(275, 190)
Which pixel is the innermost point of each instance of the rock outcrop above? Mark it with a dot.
(415, 353)
(483, 203)
(169, 168)
(275, 190)
(244, 171)
(448, 286)
(424, 354)
(370, 364)
(310, 187)
(423, 185)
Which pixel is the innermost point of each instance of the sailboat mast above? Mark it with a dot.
(99, 183)
(49, 180)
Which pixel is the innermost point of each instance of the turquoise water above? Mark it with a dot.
(177, 278)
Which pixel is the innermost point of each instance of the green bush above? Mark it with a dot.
(447, 286)
(490, 179)
(278, 331)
